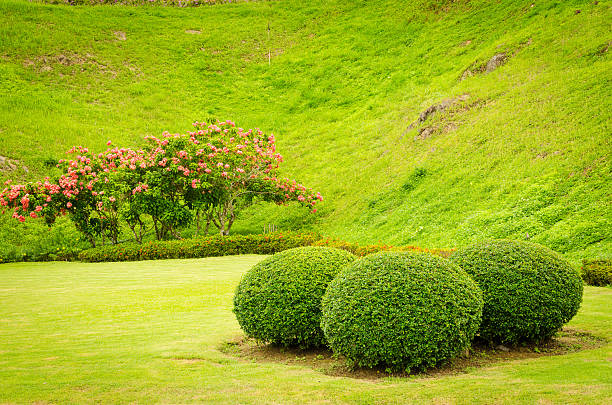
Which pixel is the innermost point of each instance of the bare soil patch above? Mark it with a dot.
(479, 356)
(120, 35)
(75, 63)
(11, 165)
(444, 117)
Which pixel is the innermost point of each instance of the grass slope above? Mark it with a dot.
(526, 156)
(150, 332)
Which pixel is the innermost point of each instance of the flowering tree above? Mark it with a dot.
(210, 173)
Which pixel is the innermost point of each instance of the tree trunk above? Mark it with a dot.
(197, 232)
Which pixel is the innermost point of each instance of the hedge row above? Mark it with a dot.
(199, 247)
(597, 272)
(364, 250)
(233, 245)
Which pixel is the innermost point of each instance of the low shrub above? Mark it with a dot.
(401, 310)
(279, 299)
(597, 272)
(529, 290)
(262, 244)
(364, 250)
(199, 247)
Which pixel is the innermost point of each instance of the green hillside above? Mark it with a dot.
(521, 151)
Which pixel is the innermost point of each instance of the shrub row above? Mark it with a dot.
(232, 245)
(364, 250)
(597, 272)
(406, 310)
(199, 247)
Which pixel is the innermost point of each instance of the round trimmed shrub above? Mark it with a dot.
(279, 299)
(401, 310)
(529, 290)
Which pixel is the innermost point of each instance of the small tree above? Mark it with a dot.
(209, 174)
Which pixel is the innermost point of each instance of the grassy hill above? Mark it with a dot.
(522, 151)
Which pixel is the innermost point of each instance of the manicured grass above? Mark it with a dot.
(148, 332)
(529, 159)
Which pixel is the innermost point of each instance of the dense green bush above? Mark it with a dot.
(364, 250)
(199, 247)
(401, 310)
(279, 300)
(597, 272)
(232, 245)
(529, 290)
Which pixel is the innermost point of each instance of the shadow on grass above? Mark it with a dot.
(480, 355)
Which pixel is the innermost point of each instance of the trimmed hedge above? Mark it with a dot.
(597, 272)
(364, 250)
(279, 299)
(529, 290)
(199, 247)
(401, 310)
(231, 245)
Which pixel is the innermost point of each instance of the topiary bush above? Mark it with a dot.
(279, 299)
(597, 272)
(529, 290)
(401, 310)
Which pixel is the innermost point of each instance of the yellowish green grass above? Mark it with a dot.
(150, 332)
(529, 158)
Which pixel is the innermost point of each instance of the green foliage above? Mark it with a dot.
(529, 290)
(344, 82)
(415, 179)
(199, 247)
(279, 300)
(402, 310)
(174, 3)
(597, 272)
(364, 250)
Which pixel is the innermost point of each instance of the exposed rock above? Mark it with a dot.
(503, 348)
(194, 32)
(425, 133)
(11, 165)
(451, 108)
(120, 35)
(496, 61)
(441, 107)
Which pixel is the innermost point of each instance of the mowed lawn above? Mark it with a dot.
(149, 332)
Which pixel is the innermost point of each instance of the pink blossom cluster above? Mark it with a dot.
(215, 159)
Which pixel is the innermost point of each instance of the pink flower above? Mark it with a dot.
(207, 170)
(108, 143)
(33, 215)
(38, 208)
(112, 199)
(69, 204)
